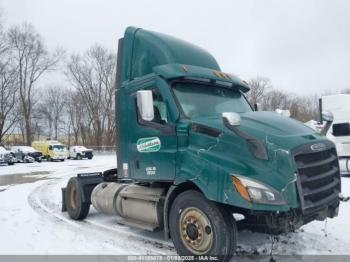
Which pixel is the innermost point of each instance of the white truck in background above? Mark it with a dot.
(339, 132)
(80, 152)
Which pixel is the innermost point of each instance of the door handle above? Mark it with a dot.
(137, 163)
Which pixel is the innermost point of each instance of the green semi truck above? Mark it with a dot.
(191, 152)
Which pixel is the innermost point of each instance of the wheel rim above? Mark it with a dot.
(73, 197)
(196, 231)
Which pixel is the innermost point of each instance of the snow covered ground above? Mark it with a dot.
(31, 221)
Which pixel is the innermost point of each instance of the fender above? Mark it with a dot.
(173, 191)
(87, 182)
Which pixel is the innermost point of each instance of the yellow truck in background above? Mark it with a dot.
(51, 149)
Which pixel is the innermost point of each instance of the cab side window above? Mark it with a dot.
(159, 108)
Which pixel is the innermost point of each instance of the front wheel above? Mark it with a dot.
(199, 227)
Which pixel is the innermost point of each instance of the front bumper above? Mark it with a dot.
(283, 222)
(59, 158)
(37, 156)
(87, 154)
(8, 160)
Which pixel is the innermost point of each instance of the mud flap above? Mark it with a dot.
(64, 207)
(87, 182)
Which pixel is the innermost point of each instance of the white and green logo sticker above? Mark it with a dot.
(148, 144)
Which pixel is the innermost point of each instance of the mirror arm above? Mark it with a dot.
(326, 128)
(256, 107)
(328, 117)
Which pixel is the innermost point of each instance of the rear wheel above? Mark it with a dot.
(199, 227)
(76, 208)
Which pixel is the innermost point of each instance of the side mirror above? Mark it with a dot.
(257, 107)
(233, 119)
(50, 147)
(328, 117)
(145, 104)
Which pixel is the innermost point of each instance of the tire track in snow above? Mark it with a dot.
(39, 200)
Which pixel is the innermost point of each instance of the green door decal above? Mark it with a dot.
(148, 144)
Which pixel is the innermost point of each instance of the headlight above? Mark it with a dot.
(257, 192)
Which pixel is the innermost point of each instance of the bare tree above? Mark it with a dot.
(345, 90)
(52, 108)
(277, 99)
(259, 86)
(304, 108)
(32, 60)
(91, 75)
(8, 88)
(4, 46)
(76, 115)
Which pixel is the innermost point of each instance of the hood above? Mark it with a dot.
(267, 127)
(279, 135)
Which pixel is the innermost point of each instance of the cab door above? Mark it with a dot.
(152, 144)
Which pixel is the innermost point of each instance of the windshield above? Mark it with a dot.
(199, 100)
(58, 147)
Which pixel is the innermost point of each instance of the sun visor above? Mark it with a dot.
(173, 71)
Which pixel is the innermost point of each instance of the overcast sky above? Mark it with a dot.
(302, 46)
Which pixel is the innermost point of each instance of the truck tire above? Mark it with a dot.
(199, 227)
(79, 157)
(77, 210)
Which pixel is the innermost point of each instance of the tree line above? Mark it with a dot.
(82, 111)
(302, 108)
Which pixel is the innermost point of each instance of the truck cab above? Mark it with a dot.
(339, 132)
(191, 151)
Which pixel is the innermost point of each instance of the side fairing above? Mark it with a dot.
(145, 49)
